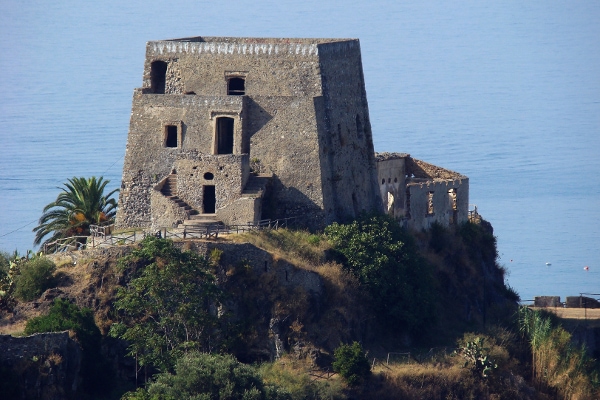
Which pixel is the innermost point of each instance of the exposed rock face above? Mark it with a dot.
(42, 366)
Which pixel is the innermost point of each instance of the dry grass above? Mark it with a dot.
(301, 248)
(302, 380)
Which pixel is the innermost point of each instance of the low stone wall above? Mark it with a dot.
(41, 366)
(547, 301)
(582, 302)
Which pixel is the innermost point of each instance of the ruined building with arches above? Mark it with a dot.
(237, 130)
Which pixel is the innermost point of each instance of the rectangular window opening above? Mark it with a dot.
(171, 136)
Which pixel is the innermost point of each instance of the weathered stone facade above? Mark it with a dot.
(210, 107)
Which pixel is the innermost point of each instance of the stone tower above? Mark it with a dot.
(248, 128)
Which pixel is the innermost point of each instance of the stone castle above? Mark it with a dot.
(237, 130)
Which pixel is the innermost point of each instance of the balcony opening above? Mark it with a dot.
(158, 76)
(236, 87)
(224, 136)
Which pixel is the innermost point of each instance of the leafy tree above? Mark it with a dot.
(384, 258)
(352, 363)
(168, 307)
(208, 376)
(32, 277)
(82, 202)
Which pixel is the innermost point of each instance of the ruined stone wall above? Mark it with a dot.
(391, 175)
(261, 262)
(436, 194)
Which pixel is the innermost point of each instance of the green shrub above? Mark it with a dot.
(384, 258)
(34, 278)
(208, 376)
(351, 363)
(477, 357)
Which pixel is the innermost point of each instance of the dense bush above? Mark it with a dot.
(352, 363)
(384, 258)
(208, 376)
(35, 276)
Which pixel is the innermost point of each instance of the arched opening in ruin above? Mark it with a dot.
(224, 136)
(390, 203)
(236, 86)
(158, 76)
(454, 205)
(209, 176)
(209, 199)
(430, 210)
(170, 136)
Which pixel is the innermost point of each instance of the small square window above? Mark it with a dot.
(236, 86)
(172, 134)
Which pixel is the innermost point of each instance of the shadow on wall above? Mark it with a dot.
(288, 202)
(260, 117)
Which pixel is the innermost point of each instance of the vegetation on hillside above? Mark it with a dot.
(81, 202)
(24, 278)
(188, 317)
(558, 365)
(385, 260)
(167, 309)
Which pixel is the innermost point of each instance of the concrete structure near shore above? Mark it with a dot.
(236, 130)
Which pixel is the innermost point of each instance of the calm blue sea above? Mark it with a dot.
(507, 93)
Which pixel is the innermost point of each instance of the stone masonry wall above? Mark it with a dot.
(44, 365)
(391, 175)
(347, 155)
(147, 160)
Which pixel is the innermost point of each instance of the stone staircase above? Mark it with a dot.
(169, 190)
(201, 222)
(255, 187)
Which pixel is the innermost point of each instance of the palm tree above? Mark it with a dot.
(82, 202)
